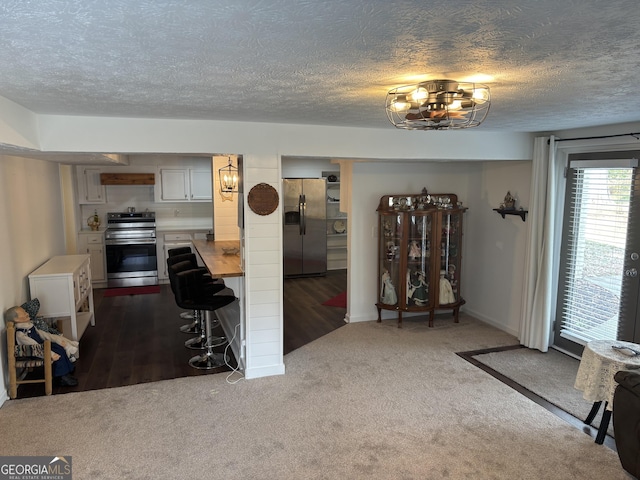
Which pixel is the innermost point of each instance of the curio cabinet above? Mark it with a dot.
(419, 254)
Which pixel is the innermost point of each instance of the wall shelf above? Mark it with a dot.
(503, 212)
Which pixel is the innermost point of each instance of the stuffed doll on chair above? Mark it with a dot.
(62, 349)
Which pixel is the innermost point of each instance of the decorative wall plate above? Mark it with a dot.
(263, 199)
(339, 226)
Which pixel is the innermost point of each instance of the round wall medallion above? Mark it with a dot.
(263, 199)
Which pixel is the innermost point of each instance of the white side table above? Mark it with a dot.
(598, 365)
(63, 286)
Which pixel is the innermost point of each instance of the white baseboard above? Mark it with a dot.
(491, 322)
(3, 397)
(260, 372)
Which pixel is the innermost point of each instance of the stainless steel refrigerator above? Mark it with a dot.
(305, 226)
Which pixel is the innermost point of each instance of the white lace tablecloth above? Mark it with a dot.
(599, 364)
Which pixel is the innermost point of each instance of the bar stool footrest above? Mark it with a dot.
(209, 361)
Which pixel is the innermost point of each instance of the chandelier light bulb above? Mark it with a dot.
(400, 103)
(481, 95)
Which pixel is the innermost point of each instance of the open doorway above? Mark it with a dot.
(314, 303)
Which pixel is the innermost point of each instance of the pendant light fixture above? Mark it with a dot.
(228, 177)
(438, 105)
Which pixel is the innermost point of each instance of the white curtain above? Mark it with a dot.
(539, 285)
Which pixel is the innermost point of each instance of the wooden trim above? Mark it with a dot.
(127, 179)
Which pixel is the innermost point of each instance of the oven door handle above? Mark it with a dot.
(131, 241)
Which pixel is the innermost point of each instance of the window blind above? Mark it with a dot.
(595, 240)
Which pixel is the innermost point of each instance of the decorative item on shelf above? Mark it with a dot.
(438, 105)
(508, 207)
(509, 202)
(332, 178)
(388, 293)
(446, 292)
(339, 226)
(417, 288)
(94, 221)
(414, 250)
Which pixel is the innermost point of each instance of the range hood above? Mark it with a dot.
(127, 179)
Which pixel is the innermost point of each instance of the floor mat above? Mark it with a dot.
(339, 300)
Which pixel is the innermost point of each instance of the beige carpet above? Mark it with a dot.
(551, 375)
(367, 401)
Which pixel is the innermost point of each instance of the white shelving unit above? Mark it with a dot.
(336, 225)
(63, 286)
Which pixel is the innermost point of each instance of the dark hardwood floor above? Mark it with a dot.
(305, 318)
(137, 339)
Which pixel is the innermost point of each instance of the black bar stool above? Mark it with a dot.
(177, 257)
(192, 293)
(205, 288)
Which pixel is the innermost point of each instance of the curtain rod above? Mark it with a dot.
(634, 135)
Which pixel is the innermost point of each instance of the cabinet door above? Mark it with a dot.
(419, 274)
(90, 190)
(97, 262)
(450, 249)
(389, 259)
(174, 185)
(93, 244)
(200, 184)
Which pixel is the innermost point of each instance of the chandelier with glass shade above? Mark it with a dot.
(438, 105)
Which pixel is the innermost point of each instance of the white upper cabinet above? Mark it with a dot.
(90, 190)
(200, 182)
(184, 184)
(174, 185)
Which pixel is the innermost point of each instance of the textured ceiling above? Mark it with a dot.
(550, 64)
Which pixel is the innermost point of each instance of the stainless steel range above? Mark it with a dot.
(130, 243)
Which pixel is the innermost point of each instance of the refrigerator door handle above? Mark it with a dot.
(302, 206)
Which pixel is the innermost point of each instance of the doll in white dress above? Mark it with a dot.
(446, 292)
(388, 293)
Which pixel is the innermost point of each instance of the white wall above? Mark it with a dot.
(32, 231)
(127, 135)
(306, 167)
(263, 273)
(493, 248)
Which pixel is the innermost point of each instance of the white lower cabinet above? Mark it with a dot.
(63, 287)
(92, 243)
(170, 241)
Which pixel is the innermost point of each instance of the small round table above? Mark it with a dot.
(598, 365)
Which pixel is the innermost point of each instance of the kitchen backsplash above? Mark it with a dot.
(169, 216)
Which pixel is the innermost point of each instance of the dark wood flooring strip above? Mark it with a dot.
(556, 410)
(305, 318)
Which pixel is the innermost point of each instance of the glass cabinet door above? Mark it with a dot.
(390, 231)
(418, 271)
(450, 248)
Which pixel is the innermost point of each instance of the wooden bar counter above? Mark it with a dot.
(214, 258)
(229, 267)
